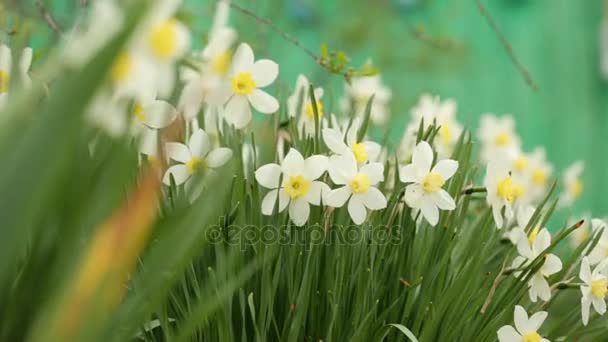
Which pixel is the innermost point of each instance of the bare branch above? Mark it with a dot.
(48, 17)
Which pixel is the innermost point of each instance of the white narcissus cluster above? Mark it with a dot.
(359, 92)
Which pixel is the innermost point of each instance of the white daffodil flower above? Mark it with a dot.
(425, 191)
(600, 252)
(108, 114)
(193, 157)
(524, 214)
(306, 114)
(294, 183)
(205, 85)
(525, 330)
(358, 93)
(358, 186)
(539, 172)
(497, 136)
(595, 289)
(442, 113)
(365, 151)
(503, 190)
(573, 184)
(159, 42)
(246, 77)
(148, 118)
(6, 64)
(529, 247)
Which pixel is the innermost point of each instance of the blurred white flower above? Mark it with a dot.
(529, 247)
(193, 157)
(358, 93)
(294, 182)
(246, 77)
(595, 288)
(503, 190)
(358, 186)
(573, 185)
(365, 151)
(498, 137)
(580, 234)
(6, 66)
(148, 118)
(305, 114)
(425, 190)
(442, 113)
(539, 172)
(525, 330)
(600, 252)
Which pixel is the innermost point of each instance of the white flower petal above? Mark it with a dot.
(25, 60)
(536, 321)
(373, 150)
(357, 210)
(552, 265)
(334, 141)
(337, 197)
(508, 334)
(429, 210)
(270, 200)
(521, 319)
(585, 307)
(180, 174)
(315, 166)
(299, 210)
(413, 195)
(238, 111)
(422, 157)
(268, 175)
(373, 199)
(263, 102)
(316, 192)
(293, 164)
(542, 241)
(496, 212)
(159, 114)
(446, 168)
(264, 72)
(599, 305)
(199, 143)
(585, 272)
(443, 200)
(243, 59)
(375, 172)
(353, 130)
(408, 174)
(342, 168)
(219, 157)
(178, 152)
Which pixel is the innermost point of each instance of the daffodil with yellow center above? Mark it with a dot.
(505, 188)
(539, 176)
(532, 337)
(359, 152)
(296, 186)
(576, 188)
(121, 68)
(243, 83)
(163, 39)
(502, 138)
(533, 234)
(4, 81)
(310, 111)
(138, 112)
(360, 183)
(195, 164)
(433, 182)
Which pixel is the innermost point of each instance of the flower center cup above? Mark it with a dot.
(195, 164)
(296, 186)
(539, 176)
(446, 134)
(359, 152)
(599, 287)
(163, 39)
(138, 112)
(360, 183)
(243, 83)
(533, 234)
(433, 182)
(576, 188)
(502, 138)
(531, 337)
(121, 68)
(310, 112)
(221, 62)
(506, 189)
(521, 163)
(4, 81)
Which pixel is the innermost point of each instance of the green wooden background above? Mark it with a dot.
(557, 40)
